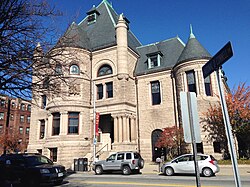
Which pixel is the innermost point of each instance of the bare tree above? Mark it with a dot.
(23, 23)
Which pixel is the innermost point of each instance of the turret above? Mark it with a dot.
(122, 48)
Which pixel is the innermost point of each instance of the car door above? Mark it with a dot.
(119, 161)
(182, 164)
(110, 162)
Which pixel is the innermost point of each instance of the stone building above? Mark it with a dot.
(133, 87)
(14, 123)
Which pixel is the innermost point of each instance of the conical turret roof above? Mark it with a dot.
(193, 50)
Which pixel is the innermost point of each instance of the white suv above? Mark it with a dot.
(126, 161)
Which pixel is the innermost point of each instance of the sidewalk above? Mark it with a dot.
(244, 170)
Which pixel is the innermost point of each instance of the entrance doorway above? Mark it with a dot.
(106, 125)
(156, 151)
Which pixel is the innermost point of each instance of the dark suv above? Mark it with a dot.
(30, 169)
(125, 161)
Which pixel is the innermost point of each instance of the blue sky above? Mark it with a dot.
(215, 22)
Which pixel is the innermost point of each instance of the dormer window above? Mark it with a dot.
(92, 15)
(154, 60)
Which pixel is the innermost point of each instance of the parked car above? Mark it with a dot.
(126, 161)
(184, 164)
(30, 169)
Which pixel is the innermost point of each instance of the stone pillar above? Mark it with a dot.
(128, 129)
(115, 129)
(120, 129)
(125, 128)
(63, 123)
(133, 129)
(122, 48)
(49, 125)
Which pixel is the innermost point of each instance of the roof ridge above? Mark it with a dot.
(155, 43)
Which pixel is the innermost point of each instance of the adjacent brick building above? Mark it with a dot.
(18, 124)
(136, 89)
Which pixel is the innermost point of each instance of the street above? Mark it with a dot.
(151, 180)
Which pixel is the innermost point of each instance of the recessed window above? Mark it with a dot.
(73, 123)
(109, 89)
(2, 103)
(29, 108)
(44, 101)
(1, 128)
(1, 115)
(53, 154)
(28, 119)
(20, 130)
(208, 87)
(74, 69)
(11, 117)
(155, 91)
(42, 129)
(22, 107)
(56, 124)
(99, 91)
(104, 70)
(58, 69)
(191, 81)
(154, 60)
(22, 118)
(27, 130)
(13, 105)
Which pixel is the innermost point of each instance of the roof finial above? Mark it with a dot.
(191, 32)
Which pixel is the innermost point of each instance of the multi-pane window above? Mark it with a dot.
(74, 69)
(154, 60)
(13, 105)
(53, 154)
(20, 130)
(91, 18)
(29, 108)
(56, 124)
(27, 130)
(11, 117)
(109, 89)
(73, 123)
(1, 128)
(22, 107)
(156, 93)
(191, 81)
(28, 119)
(208, 87)
(42, 129)
(22, 118)
(44, 102)
(99, 91)
(2, 103)
(1, 115)
(104, 70)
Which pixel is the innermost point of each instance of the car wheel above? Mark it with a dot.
(207, 172)
(141, 163)
(98, 170)
(126, 170)
(169, 171)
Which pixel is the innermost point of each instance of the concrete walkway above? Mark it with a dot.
(244, 170)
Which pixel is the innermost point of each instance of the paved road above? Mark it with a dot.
(149, 180)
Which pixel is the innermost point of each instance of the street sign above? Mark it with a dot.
(185, 113)
(217, 60)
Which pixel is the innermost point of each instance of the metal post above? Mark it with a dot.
(197, 172)
(228, 130)
(94, 120)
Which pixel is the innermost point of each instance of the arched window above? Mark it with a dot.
(74, 69)
(104, 70)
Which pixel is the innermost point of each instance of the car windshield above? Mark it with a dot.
(38, 160)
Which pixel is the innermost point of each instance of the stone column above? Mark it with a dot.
(125, 128)
(128, 128)
(133, 129)
(49, 125)
(120, 129)
(115, 129)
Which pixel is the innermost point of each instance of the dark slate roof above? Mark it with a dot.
(169, 49)
(99, 34)
(193, 50)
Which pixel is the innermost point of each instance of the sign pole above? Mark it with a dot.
(191, 123)
(228, 130)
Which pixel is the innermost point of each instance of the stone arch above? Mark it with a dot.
(156, 152)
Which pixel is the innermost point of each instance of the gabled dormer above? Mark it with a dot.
(92, 15)
(154, 59)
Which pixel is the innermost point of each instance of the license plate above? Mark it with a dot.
(60, 174)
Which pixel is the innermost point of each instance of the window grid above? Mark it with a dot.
(56, 124)
(73, 122)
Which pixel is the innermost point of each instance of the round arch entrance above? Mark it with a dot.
(156, 151)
